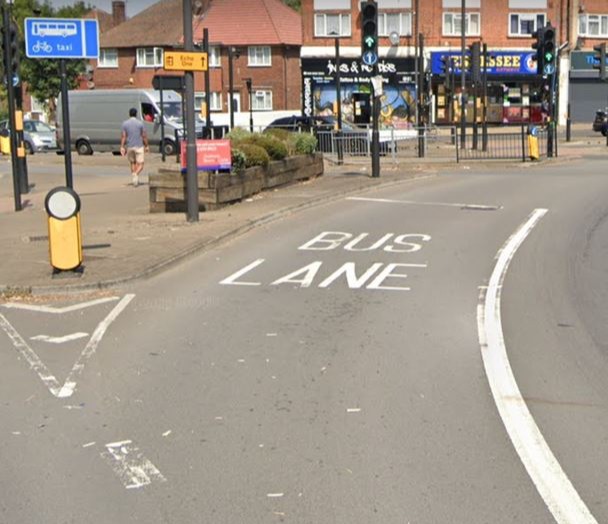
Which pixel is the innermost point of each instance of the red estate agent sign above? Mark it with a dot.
(210, 155)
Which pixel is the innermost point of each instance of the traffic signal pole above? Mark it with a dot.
(6, 24)
(369, 56)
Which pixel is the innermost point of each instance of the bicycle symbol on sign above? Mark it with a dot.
(43, 46)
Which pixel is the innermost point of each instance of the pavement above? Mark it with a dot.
(123, 243)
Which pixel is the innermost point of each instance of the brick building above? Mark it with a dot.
(506, 26)
(265, 37)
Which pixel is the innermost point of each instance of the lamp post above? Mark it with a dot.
(248, 83)
(233, 53)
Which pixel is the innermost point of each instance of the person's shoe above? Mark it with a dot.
(135, 180)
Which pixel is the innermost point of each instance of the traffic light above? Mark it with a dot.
(11, 53)
(599, 60)
(538, 36)
(475, 50)
(549, 50)
(369, 32)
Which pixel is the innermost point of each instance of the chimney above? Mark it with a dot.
(118, 12)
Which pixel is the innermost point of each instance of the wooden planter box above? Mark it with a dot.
(168, 186)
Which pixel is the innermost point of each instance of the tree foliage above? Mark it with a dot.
(294, 4)
(43, 77)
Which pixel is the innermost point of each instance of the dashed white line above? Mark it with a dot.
(550, 480)
(417, 203)
(132, 468)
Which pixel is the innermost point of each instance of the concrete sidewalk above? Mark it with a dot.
(123, 242)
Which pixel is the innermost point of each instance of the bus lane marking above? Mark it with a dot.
(130, 466)
(552, 483)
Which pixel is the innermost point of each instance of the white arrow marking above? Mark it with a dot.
(59, 340)
(132, 468)
(58, 310)
(39, 367)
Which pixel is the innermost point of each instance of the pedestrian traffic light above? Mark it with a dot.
(11, 55)
(475, 50)
(369, 32)
(549, 50)
(599, 60)
(538, 36)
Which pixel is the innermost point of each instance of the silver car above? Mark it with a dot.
(37, 136)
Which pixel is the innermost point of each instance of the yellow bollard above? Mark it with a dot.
(533, 143)
(65, 240)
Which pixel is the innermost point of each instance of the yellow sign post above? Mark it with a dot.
(185, 61)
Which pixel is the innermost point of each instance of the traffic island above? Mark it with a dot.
(218, 189)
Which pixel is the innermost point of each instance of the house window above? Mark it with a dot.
(108, 58)
(216, 101)
(524, 24)
(595, 26)
(149, 57)
(401, 23)
(332, 24)
(261, 100)
(452, 24)
(215, 57)
(259, 56)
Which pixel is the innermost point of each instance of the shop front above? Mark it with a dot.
(588, 93)
(319, 97)
(513, 90)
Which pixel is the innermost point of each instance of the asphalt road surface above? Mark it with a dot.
(431, 353)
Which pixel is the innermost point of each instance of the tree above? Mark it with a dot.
(43, 77)
(294, 4)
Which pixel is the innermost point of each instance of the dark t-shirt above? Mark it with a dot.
(134, 130)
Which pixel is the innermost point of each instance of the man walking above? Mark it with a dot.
(133, 143)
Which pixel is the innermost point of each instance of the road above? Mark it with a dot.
(430, 353)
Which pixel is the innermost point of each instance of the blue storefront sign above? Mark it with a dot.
(499, 62)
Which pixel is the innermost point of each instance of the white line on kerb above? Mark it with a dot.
(550, 480)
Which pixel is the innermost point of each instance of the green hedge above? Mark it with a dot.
(254, 155)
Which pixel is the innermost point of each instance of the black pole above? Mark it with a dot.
(191, 167)
(65, 117)
(230, 88)
(417, 64)
(375, 134)
(207, 86)
(11, 109)
(463, 78)
(419, 94)
(568, 125)
(339, 104)
(484, 125)
(162, 121)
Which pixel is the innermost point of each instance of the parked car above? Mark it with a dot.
(34, 141)
(600, 122)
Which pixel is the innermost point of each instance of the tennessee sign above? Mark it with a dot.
(499, 62)
(211, 155)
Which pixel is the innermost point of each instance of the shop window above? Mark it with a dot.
(594, 26)
(259, 56)
(524, 24)
(401, 23)
(215, 59)
(452, 24)
(262, 100)
(108, 58)
(332, 25)
(149, 57)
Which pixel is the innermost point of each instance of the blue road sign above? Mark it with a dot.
(549, 69)
(61, 38)
(369, 58)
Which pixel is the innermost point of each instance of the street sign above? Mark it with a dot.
(185, 61)
(174, 82)
(61, 38)
(549, 69)
(370, 58)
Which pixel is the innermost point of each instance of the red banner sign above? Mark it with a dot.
(210, 155)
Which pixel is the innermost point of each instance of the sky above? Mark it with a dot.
(133, 6)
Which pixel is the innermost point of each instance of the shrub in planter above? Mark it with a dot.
(281, 134)
(254, 155)
(239, 160)
(276, 149)
(238, 134)
(303, 143)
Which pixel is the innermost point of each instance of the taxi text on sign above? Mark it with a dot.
(184, 61)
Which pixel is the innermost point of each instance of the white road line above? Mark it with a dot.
(59, 340)
(132, 468)
(232, 278)
(550, 480)
(414, 202)
(40, 368)
(58, 310)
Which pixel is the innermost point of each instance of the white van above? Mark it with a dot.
(96, 118)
